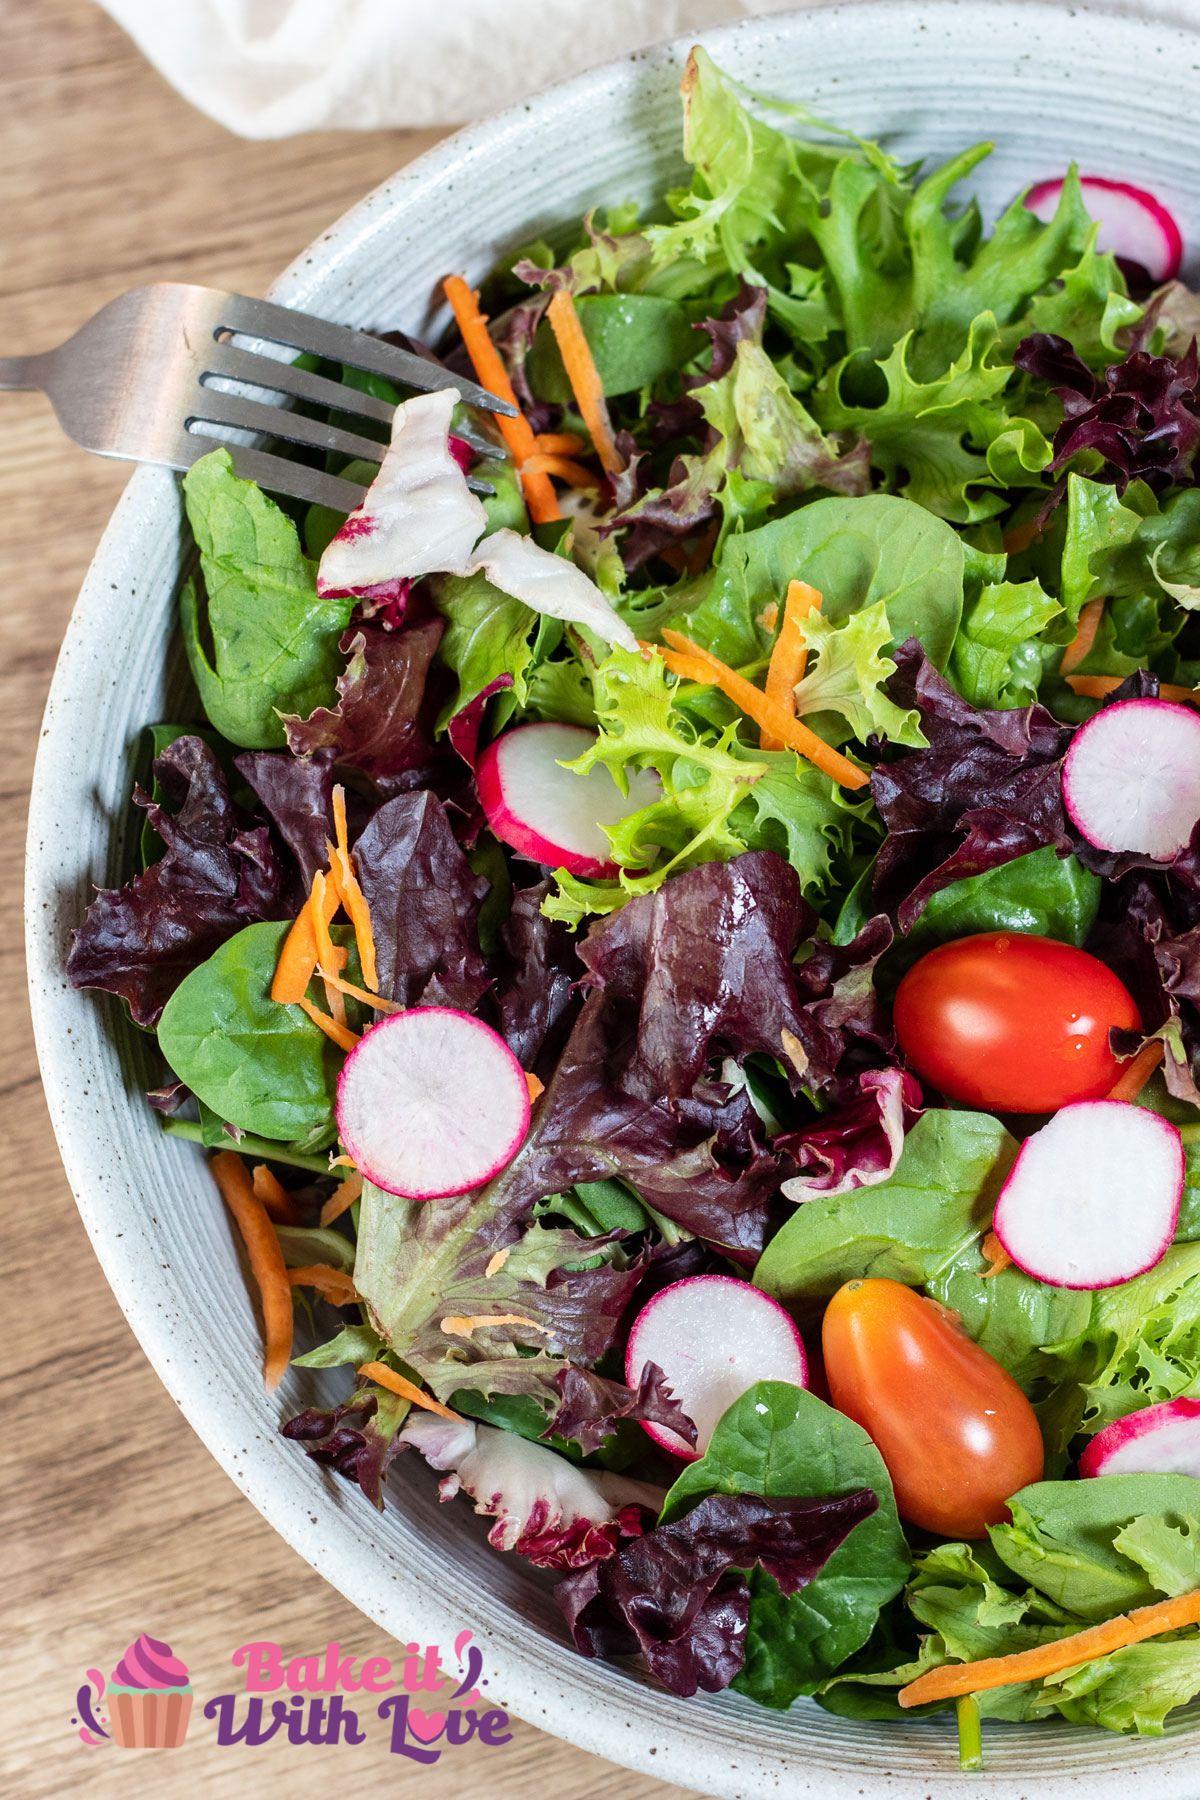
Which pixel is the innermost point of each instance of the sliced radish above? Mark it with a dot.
(1159, 1440)
(419, 517)
(432, 1102)
(1093, 1197)
(550, 584)
(1131, 778)
(1133, 224)
(713, 1337)
(546, 812)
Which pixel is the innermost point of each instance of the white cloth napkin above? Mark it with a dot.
(267, 68)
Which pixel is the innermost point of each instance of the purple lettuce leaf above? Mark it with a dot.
(987, 789)
(842, 1015)
(857, 1144)
(537, 971)
(382, 725)
(592, 1406)
(296, 793)
(214, 877)
(1141, 416)
(677, 1595)
(424, 899)
(1149, 934)
(359, 1439)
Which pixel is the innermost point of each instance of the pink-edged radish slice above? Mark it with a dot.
(431, 1102)
(713, 1337)
(1133, 224)
(1159, 1440)
(1093, 1197)
(548, 813)
(1131, 778)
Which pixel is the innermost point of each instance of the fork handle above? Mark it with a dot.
(19, 372)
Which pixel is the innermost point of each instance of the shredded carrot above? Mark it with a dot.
(465, 1326)
(351, 895)
(488, 365)
(536, 1088)
(1137, 1071)
(994, 1255)
(1098, 687)
(266, 1260)
(1085, 636)
(1021, 537)
(584, 378)
(560, 443)
(564, 467)
(794, 1050)
(342, 1198)
(298, 959)
(789, 658)
(768, 618)
(952, 1679)
(360, 994)
(342, 1162)
(695, 664)
(268, 1189)
(332, 1284)
(496, 1262)
(341, 1035)
(397, 1384)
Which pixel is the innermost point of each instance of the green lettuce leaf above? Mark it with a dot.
(994, 662)
(784, 1442)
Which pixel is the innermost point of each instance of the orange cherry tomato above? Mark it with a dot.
(956, 1432)
(1013, 1023)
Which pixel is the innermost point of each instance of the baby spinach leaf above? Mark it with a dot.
(780, 1441)
(633, 338)
(1043, 893)
(262, 642)
(909, 1228)
(263, 1067)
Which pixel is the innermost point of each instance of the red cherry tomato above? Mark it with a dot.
(956, 1432)
(1011, 1023)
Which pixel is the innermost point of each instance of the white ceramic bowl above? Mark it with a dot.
(1046, 85)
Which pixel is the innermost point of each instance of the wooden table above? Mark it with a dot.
(116, 1519)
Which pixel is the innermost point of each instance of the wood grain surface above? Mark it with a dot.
(115, 1518)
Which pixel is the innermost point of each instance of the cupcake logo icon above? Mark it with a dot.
(147, 1700)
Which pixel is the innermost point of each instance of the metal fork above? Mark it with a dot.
(160, 375)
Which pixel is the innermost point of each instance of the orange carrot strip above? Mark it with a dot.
(1137, 1071)
(351, 895)
(789, 658)
(584, 378)
(1098, 687)
(488, 365)
(564, 467)
(332, 1284)
(994, 1255)
(466, 1325)
(342, 1036)
(953, 1679)
(536, 1088)
(1085, 636)
(766, 715)
(360, 994)
(560, 443)
(1021, 537)
(298, 959)
(270, 1191)
(342, 1198)
(266, 1260)
(397, 1384)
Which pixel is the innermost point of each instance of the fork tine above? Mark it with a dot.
(339, 343)
(238, 410)
(275, 473)
(233, 362)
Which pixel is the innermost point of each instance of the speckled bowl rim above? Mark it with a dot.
(684, 1743)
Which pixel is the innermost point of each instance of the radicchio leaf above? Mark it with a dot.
(382, 724)
(424, 899)
(214, 877)
(592, 1407)
(987, 789)
(1142, 416)
(464, 728)
(359, 1438)
(1150, 935)
(555, 1514)
(675, 1595)
(858, 1144)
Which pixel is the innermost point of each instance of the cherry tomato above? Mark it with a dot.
(956, 1432)
(1012, 1023)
